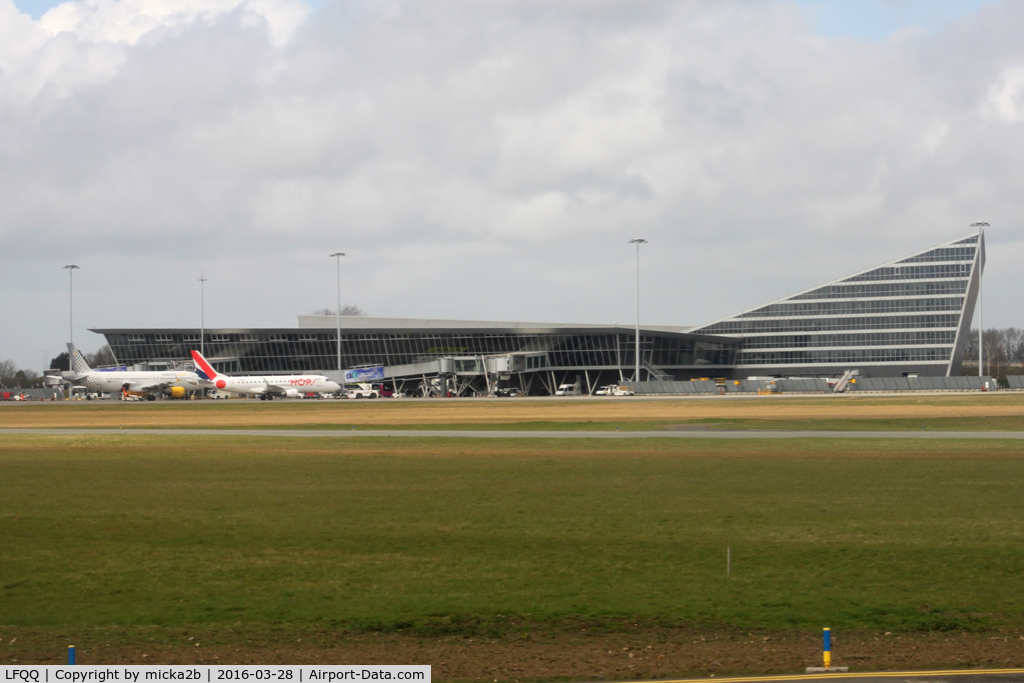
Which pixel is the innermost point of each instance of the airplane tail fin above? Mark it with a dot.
(203, 367)
(77, 361)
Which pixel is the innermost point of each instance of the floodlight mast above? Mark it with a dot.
(637, 241)
(71, 268)
(202, 313)
(980, 225)
(337, 259)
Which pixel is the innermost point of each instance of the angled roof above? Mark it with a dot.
(914, 312)
(875, 273)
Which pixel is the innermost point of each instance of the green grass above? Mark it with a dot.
(382, 534)
(1010, 423)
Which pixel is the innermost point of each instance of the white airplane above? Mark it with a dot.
(145, 383)
(267, 387)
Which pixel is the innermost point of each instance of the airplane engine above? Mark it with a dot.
(291, 393)
(177, 392)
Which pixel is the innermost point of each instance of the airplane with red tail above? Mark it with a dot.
(267, 387)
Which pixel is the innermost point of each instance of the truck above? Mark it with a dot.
(365, 390)
(362, 391)
(615, 390)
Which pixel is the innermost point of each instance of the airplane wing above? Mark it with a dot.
(273, 390)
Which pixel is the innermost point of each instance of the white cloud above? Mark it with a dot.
(127, 21)
(1007, 95)
(483, 159)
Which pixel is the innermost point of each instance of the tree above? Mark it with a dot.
(27, 378)
(1014, 341)
(60, 362)
(8, 370)
(1004, 347)
(11, 376)
(347, 309)
(995, 352)
(971, 347)
(104, 356)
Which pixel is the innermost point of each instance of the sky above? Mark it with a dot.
(491, 160)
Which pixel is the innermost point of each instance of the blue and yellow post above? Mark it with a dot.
(71, 654)
(826, 651)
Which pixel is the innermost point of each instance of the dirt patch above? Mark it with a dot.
(247, 413)
(583, 654)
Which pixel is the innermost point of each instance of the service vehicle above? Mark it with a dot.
(615, 390)
(362, 391)
(568, 389)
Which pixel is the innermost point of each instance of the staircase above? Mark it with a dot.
(655, 374)
(844, 381)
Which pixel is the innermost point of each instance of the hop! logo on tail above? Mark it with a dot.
(206, 371)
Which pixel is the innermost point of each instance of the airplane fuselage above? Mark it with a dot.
(140, 382)
(284, 386)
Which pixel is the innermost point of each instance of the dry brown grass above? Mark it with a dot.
(249, 413)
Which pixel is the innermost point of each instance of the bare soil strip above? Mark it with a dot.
(580, 654)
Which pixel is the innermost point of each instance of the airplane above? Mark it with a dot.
(147, 384)
(266, 387)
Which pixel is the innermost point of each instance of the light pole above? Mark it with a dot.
(980, 225)
(202, 313)
(637, 241)
(337, 260)
(71, 268)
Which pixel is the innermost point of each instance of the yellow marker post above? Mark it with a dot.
(828, 647)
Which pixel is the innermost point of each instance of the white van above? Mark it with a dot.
(568, 389)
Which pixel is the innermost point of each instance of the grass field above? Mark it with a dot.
(384, 535)
(966, 411)
(515, 560)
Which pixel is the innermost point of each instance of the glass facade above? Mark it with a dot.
(909, 315)
(304, 350)
(912, 311)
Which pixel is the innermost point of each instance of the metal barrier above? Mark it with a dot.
(820, 386)
(962, 383)
(665, 387)
(742, 386)
(31, 393)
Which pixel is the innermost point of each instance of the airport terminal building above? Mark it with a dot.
(910, 316)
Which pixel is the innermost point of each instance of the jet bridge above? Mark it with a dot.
(459, 375)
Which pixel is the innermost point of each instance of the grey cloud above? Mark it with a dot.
(491, 159)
